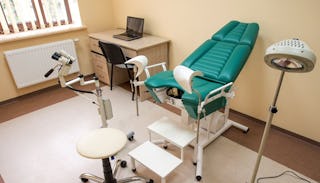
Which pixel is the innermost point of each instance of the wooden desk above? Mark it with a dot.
(156, 49)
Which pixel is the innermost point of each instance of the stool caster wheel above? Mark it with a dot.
(134, 170)
(130, 136)
(84, 180)
(165, 147)
(194, 163)
(123, 164)
(198, 177)
(150, 181)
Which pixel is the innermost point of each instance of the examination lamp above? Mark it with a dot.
(292, 55)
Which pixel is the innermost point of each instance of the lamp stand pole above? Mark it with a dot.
(273, 109)
(135, 70)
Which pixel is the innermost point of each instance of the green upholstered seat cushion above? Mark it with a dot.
(160, 80)
(218, 61)
(190, 101)
(166, 79)
(222, 57)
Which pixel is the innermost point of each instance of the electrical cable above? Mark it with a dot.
(283, 173)
(81, 91)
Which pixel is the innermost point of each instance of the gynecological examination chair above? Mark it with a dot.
(202, 84)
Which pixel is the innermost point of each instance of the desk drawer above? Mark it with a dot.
(94, 45)
(103, 78)
(129, 53)
(100, 67)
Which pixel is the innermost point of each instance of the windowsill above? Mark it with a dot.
(40, 33)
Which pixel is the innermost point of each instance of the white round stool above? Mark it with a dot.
(101, 144)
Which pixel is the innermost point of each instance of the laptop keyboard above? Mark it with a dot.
(126, 36)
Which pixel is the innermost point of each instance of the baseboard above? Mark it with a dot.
(306, 139)
(21, 97)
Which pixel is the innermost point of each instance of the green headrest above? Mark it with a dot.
(238, 33)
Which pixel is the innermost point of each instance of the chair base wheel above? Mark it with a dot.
(130, 136)
(194, 163)
(123, 164)
(150, 181)
(84, 180)
(198, 177)
(165, 147)
(134, 170)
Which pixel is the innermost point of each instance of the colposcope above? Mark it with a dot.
(64, 63)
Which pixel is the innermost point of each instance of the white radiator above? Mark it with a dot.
(28, 65)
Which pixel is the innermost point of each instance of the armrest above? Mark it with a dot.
(212, 95)
(162, 64)
(140, 64)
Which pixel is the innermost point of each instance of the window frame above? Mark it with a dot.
(37, 22)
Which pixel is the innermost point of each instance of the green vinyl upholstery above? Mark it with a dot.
(220, 59)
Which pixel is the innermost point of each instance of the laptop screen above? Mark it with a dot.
(135, 26)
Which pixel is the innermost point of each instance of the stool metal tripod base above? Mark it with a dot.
(109, 175)
(87, 176)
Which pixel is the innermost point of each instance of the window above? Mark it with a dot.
(26, 15)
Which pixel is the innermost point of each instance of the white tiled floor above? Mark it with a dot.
(39, 147)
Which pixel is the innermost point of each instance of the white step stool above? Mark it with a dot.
(172, 132)
(154, 158)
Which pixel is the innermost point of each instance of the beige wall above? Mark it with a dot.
(187, 23)
(96, 16)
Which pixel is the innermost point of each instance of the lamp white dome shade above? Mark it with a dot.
(291, 55)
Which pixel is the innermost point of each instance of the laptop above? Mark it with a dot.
(134, 29)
